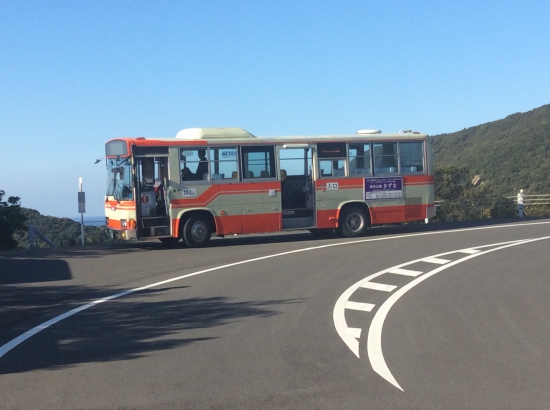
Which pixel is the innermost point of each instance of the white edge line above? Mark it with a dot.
(374, 339)
(18, 340)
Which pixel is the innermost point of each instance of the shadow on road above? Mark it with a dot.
(27, 270)
(135, 327)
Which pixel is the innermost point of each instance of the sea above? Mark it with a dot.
(91, 220)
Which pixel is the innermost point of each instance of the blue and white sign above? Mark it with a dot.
(229, 154)
(384, 188)
(189, 192)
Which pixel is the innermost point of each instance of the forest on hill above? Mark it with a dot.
(508, 154)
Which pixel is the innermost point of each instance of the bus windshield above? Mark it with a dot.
(119, 178)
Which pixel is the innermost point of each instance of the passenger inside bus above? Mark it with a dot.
(286, 194)
(187, 175)
(202, 167)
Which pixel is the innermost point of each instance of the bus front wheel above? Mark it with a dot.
(197, 231)
(354, 222)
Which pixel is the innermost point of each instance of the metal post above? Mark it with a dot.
(81, 208)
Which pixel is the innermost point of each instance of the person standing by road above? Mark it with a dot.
(520, 203)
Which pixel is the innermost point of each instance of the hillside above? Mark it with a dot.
(509, 154)
(61, 231)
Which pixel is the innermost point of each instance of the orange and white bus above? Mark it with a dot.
(226, 181)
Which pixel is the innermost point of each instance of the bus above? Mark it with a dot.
(226, 181)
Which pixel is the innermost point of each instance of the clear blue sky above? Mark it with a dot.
(74, 74)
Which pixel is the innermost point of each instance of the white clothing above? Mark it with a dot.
(520, 198)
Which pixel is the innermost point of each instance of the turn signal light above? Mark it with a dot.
(132, 224)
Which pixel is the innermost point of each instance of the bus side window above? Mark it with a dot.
(332, 159)
(359, 158)
(411, 157)
(193, 164)
(223, 162)
(385, 157)
(258, 161)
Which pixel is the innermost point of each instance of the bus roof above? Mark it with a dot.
(239, 133)
(200, 136)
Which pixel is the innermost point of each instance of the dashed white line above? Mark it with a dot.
(354, 332)
(469, 251)
(404, 272)
(365, 307)
(437, 261)
(378, 286)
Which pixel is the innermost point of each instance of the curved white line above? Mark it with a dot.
(374, 340)
(18, 340)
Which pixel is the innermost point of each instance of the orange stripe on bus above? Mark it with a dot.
(225, 189)
(418, 179)
(120, 205)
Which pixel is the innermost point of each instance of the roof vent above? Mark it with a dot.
(369, 132)
(213, 133)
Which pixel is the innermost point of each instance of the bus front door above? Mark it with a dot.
(153, 219)
(297, 193)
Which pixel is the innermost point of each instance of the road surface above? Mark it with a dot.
(413, 317)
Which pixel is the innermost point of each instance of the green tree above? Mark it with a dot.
(450, 181)
(460, 200)
(11, 221)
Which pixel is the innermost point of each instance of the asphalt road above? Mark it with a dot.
(252, 322)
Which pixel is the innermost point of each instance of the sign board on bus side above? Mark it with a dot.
(383, 188)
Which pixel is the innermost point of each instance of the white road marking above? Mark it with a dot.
(354, 332)
(374, 339)
(378, 286)
(469, 251)
(18, 340)
(365, 307)
(404, 272)
(437, 261)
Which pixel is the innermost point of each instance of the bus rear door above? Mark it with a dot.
(297, 193)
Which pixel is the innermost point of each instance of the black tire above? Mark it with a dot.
(197, 231)
(354, 221)
(169, 241)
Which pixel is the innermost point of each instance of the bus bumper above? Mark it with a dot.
(126, 235)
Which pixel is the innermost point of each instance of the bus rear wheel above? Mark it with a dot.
(354, 221)
(197, 231)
